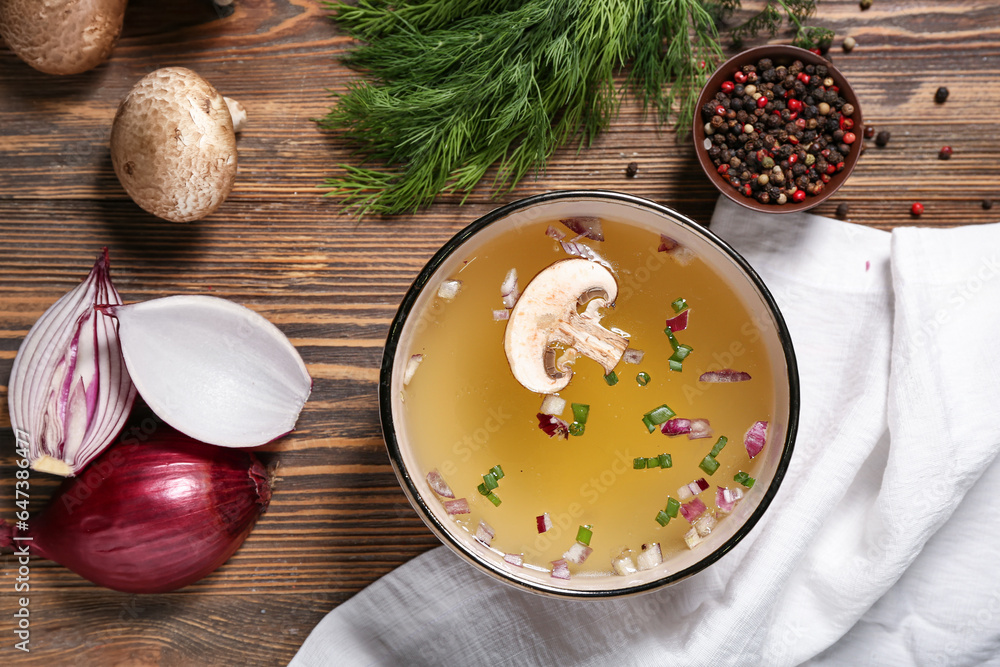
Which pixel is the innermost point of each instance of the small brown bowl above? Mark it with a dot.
(780, 55)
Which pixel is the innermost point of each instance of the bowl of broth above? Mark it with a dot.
(586, 394)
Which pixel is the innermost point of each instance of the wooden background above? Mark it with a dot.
(338, 520)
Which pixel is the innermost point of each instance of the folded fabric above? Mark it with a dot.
(900, 376)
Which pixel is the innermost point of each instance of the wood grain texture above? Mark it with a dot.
(338, 520)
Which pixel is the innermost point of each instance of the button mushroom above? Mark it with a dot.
(61, 36)
(548, 313)
(173, 145)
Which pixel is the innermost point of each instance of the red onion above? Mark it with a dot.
(693, 509)
(632, 356)
(560, 569)
(411, 368)
(676, 427)
(554, 233)
(726, 499)
(501, 314)
(692, 489)
(667, 244)
(544, 523)
(755, 438)
(153, 516)
(725, 375)
(485, 533)
(515, 559)
(577, 553)
(448, 290)
(700, 428)
(587, 225)
(553, 426)
(681, 254)
(457, 506)
(650, 557)
(679, 322)
(508, 289)
(436, 482)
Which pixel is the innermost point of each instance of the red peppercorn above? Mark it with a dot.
(761, 102)
(846, 124)
(825, 178)
(801, 123)
(816, 51)
(804, 78)
(794, 105)
(793, 158)
(720, 110)
(740, 77)
(831, 168)
(849, 138)
(792, 139)
(747, 190)
(945, 153)
(727, 86)
(723, 168)
(840, 166)
(917, 209)
(799, 195)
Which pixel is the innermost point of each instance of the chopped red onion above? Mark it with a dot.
(560, 569)
(554, 233)
(692, 489)
(623, 564)
(693, 509)
(440, 486)
(411, 368)
(704, 525)
(449, 289)
(514, 559)
(667, 244)
(544, 523)
(679, 322)
(509, 290)
(700, 428)
(584, 251)
(485, 533)
(501, 314)
(725, 375)
(692, 538)
(726, 498)
(552, 405)
(587, 225)
(632, 356)
(676, 427)
(755, 438)
(681, 254)
(578, 553)
(458, 506)
(553, 426)
(650, 557)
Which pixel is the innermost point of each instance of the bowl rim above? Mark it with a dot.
(393, 446)
(751, 55)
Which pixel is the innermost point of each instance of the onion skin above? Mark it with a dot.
(153, 516)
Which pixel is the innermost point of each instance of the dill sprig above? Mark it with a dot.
(769, 20)
(454, 87)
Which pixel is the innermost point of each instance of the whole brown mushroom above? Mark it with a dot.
(62, 36)
(173, 144)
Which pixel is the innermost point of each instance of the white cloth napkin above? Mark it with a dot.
(883, 544)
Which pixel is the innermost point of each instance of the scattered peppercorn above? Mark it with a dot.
(941, 95)
(945, 153)
(842, 211)
(849, 44)
(882, 138)
(987, 204)
(632, 169)
(865, 4)
(869, 131)
(917, 209)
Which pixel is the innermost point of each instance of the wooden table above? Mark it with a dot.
(338, 520)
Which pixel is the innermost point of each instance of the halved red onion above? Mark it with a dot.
(577, 553)
(587, 225)
(436, 482)
(214, 370)
(693, 509)
(514, 559)
(553, 426)
(726, 498)
(724, 375)
(623, 564)
(755, 438)
(485, 533)
(501, 314)
(679, 322)
(69, 392)
(650, 557)
(692, 489)
(543, 522)
(554, 233)
(585, 251)
(411, 367)
(700, 428)
(560, 569)
(508, 289)
(449, 289)
(552, 405)
(633, 356)
(457, 506)
(676, 427)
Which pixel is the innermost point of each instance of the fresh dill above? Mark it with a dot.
(453, 88)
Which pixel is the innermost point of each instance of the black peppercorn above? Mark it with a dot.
(987, 204)
(882, 138)
(941, 95)
(632, 169)
(865, 4)
(842, 211)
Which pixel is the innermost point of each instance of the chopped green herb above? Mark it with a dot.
(657, 416)
(483, 490)
(580, 412)
(642, 378)
(662, 518)
(495, 499)
(709, 465)
(639, 462)
(744, 479)
(611, 378)
(681, 352)
(650, 426)
(673, 506)
(677, 366)
(652, 462)
(576, 428)
(584, 533)
(497, 471)
(720, 443)
(679, 305)
(665, 461)
(671, 337)
(490, 481)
